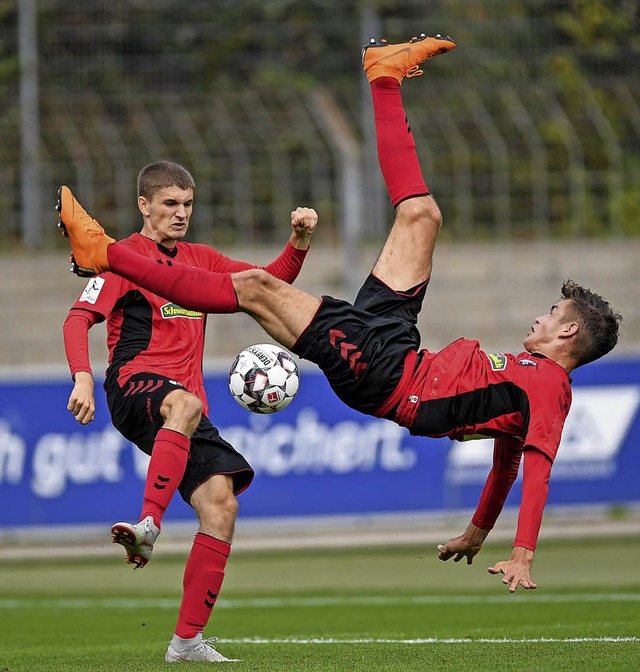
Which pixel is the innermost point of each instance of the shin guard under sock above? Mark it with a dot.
(166, 469)
(203, 576)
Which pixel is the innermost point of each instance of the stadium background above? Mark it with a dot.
(529, 133)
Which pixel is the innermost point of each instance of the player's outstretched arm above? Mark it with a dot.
(535, 488)
(467, 545)
(516, 570)
(303, 222)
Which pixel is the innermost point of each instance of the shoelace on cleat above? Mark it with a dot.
(209, 642)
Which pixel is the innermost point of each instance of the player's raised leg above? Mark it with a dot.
(406, 258)
(282, 310)
(94, 252)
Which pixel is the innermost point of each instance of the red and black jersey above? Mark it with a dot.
(369, 352)
(463, 392)
(147, 333)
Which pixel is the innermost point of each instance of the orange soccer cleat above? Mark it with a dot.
(88, 239)
(381, 59)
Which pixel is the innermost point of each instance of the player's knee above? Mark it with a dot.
(189, 406)
(193, 408)
(420, 212)
(252, 285)
(221, 501)
(228, 506)
(182, 409)
(217, 512)
(433, 213)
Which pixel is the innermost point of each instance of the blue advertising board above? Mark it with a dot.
(317, 457)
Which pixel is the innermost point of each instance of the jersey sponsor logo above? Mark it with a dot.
(171, 310)
(91, 292)
(498, 361)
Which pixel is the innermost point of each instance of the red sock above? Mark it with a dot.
(203, 577)
(396, 146)
(166, 469)
(190, 287)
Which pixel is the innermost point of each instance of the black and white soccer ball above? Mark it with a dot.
(264, 378)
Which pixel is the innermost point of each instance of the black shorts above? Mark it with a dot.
(361, 348)
(135, 413)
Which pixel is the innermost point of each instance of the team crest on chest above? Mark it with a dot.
(498, 361)
(171, 310)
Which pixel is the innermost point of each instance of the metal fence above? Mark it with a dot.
(529, 129)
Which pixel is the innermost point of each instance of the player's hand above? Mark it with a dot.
(467, 545)
(458, 548)
(516, 570)
(82, 401)
(304, 222)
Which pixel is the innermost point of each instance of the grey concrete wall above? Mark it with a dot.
(486, 291)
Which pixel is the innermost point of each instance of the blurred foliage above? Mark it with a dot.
(572, 65)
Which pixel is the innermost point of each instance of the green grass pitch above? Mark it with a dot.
(349, 610)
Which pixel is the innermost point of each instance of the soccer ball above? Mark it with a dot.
(264, 378)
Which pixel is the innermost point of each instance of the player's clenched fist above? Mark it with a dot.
(304, 220)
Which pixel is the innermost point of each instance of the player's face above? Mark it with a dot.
(166, 214)
(546, 328)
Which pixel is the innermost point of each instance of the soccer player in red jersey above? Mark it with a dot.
(156, 395)
(370, 350)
